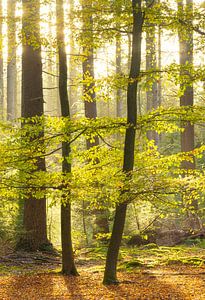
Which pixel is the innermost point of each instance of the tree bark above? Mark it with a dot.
(118, 61)
(1, 65)
(11, 60)
(187, 99)
(128, 164)
(101, 219)
(34, 219)
(72, 67)
(151, 65)
(68, 265)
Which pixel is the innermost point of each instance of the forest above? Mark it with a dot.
(102, 149)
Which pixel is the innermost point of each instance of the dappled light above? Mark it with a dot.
(102, 149)
(161, 284)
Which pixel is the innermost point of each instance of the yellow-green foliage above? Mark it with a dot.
(97, 175)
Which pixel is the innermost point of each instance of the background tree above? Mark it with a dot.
(34, 218)
(11, 60)
(151, 66)
(187, 97)
(1, 64)
(68, 265)
(89, 96)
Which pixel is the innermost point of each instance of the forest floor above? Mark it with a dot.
(156, 273)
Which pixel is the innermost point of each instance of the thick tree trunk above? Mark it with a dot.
(11, 60)
(1, 64)
(32, 105)
(101, 216)
(120, 214)
(68, 265)
(187, 99)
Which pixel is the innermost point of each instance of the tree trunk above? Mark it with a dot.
(119, 94)
(159, 50)
(151, 65)
(11, 60)
(187, 99)
(101, 219)
(1, 65)
(68, 265)
(72, 67)
(34, 219)
(120, 214)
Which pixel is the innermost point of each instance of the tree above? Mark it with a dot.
(11, 60)
(118, 63)
(129, 147)
(34, 218)
(101, 216)
(72, 65)
(1, 64)
(68, 265)
(151, 65)
(187, 97)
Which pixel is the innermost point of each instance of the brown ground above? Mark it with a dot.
(160, 283)
(25, 276)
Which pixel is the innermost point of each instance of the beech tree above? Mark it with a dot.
(11, 64)
(118, 63)
(68, 265)
(129, 146)
(89, 95)
(151, 65)
(1, 64)
(187, 97)
(34, 217)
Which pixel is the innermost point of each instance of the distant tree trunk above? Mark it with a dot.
(101, 216)
(1, 64)
(151, 66)
(34, 219)
(159, 50)
(119, 73)
(68, 265)
(118, 63)
(187, 99)
(72, 67)
(120, 213)
(11, 60)
(50, 77)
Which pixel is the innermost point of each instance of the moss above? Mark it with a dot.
(195, 261)
(133, 264)
(150, 246)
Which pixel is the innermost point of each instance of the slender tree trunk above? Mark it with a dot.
(159, 50)
(50, 77)
(34, 219)
(68, 265)
(11, 60)
(1, 64)
(187, 99)
(151, 65)
(120, 213)
(72, 67)
(101, 219)
(119, 73)
(119, 94)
